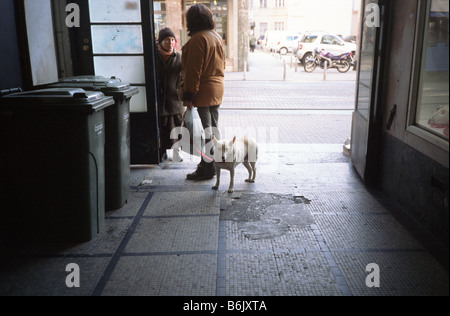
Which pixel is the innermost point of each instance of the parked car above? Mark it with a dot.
(350, 39)
(326, 41)
(287, 44)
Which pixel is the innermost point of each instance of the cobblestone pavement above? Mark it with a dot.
(307, 227)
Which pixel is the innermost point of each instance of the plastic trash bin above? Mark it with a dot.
(117, 128)
(55, 162)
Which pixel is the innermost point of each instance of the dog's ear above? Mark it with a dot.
(234, 139)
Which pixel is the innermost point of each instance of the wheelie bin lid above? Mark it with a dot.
(57, 99)
(109, 86)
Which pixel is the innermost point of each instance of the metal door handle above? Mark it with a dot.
(391, 117)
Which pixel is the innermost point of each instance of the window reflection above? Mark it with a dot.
(159, 8)
(114, 11)
(366, 69)
(171, 13)
(219, 10)
(432, 113)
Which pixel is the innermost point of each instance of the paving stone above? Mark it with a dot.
(364, 231)
(183, 203)
(175, 235)
(164, 275)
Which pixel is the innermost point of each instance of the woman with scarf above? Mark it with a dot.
(168, 68)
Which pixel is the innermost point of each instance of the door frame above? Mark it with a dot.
(366, 133)
(144, 127)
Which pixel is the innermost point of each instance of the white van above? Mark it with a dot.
(282, 42)
(271, 38)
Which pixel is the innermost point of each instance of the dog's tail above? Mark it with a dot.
(252, 149)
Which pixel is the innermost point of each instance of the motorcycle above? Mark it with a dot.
(341, 62)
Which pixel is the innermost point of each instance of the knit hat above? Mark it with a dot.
(164, 33)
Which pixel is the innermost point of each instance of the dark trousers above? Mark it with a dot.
(210, 121)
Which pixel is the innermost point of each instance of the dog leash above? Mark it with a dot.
(202, 154)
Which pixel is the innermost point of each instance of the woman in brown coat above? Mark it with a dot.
(203, 71)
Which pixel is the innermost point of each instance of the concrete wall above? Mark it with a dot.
(243, 34)
(237, 34)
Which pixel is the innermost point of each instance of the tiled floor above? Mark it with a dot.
(305, 228)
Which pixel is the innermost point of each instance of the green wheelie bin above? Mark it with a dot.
(117, 129)
(54, 164)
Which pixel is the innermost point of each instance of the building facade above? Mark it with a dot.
(299, 16)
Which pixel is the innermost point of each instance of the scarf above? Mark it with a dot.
(164, 53)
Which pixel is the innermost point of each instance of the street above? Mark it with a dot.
(304, 108)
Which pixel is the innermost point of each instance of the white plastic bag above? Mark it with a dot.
(192, 135)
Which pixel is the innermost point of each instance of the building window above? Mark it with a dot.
(429, 110)
(279, 26)
(263, 3)
(279, 3)
(262, 28)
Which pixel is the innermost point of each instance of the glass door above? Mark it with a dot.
(367, 118)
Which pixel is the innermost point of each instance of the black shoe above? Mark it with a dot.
(203, 172)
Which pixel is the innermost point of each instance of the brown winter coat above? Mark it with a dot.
(203, 69)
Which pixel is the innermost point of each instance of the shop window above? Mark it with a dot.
(160, 15)
(429, 112)
(219, 9)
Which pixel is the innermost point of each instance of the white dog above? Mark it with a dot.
(228, 154)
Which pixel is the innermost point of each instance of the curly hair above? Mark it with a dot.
(199, 18)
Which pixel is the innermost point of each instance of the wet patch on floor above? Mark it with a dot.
(265, 216)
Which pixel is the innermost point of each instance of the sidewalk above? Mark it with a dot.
(307, 227)
(264, 66)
